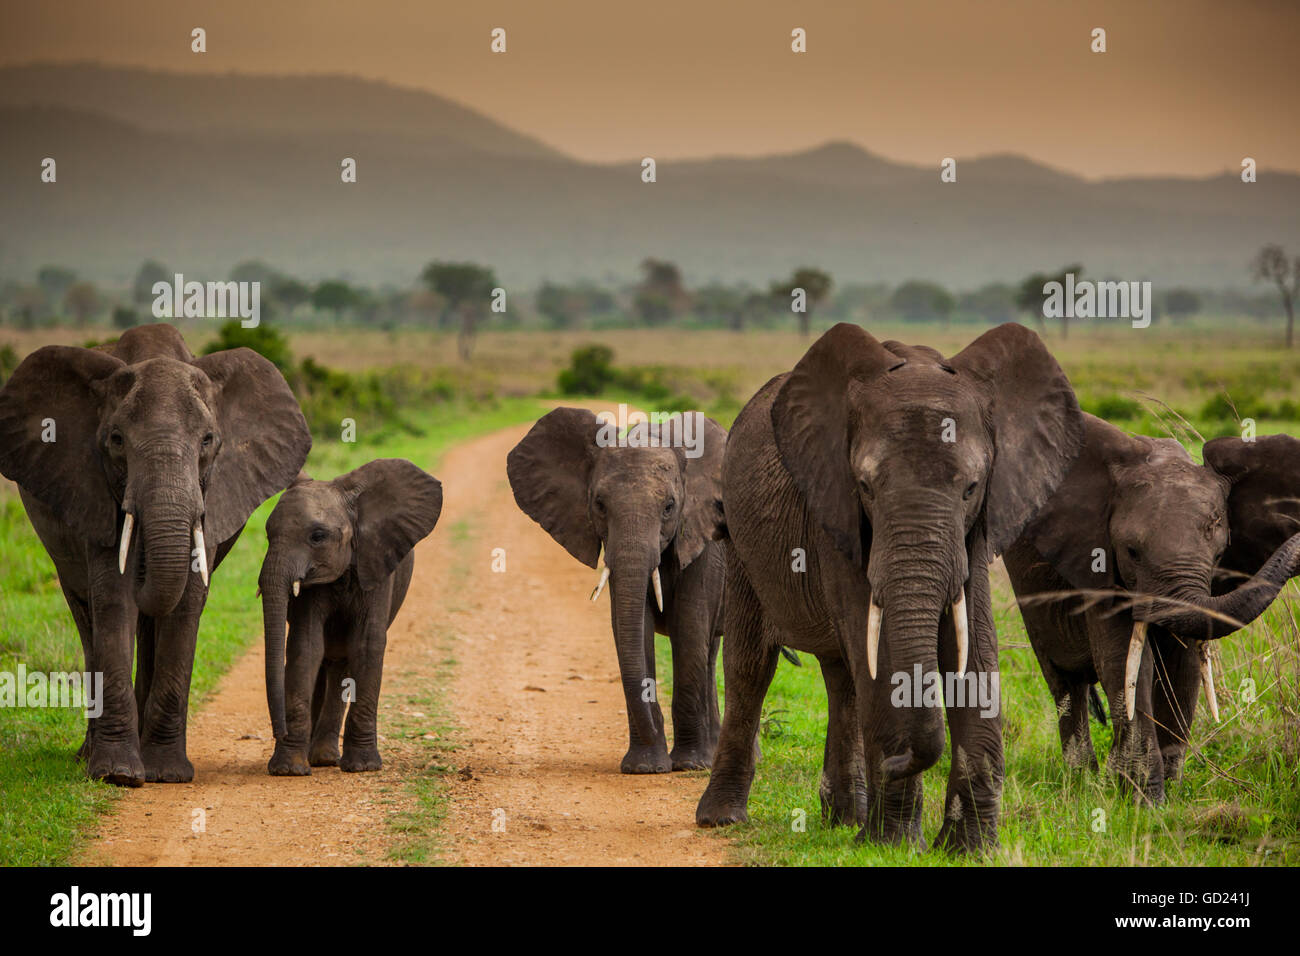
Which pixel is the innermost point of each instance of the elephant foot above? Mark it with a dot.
(1173, 759)
(288, 763)
(324, 755)
(116, 763)
(842, 809)
(360, 760)
(966, 836)
(647, 759)
(698, 757)
(166, 764)
(717, 810)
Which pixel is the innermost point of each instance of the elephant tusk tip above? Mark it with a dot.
(297, 586)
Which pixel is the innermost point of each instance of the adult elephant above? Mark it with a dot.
(653, 508)
(1169, 555)
(138, 465)
(865, 493)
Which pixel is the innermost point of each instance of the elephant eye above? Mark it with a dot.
(318, 535)
(600, 506)
(116, 439)
(668, 508)
(1133, 553)
(207, 440)
(970, 490)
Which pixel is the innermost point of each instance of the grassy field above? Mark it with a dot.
(1238, 803)
(47, 806)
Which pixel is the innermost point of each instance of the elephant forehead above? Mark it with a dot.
(308, 503)
(164, 386)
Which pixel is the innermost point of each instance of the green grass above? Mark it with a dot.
(47, 806)
(1237, 804)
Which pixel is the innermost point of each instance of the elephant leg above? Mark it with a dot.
(366, 665)
(1134, 754)
(145, 648)
(748, 665)
(166, 710)
(893, 816)
(81, 617)
(843, 788)
(976, 773)
(303, 657)
(1176, 684)
(115, 743)
(1071, 695)
(695, 697)
(328, 707)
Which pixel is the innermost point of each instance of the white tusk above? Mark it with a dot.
(203, 553)
(962, 626)
(297, 586)
(1136, 644)
(128, 525)
(1207, 678)
(659, 590)
(600, 584)
(873, 636)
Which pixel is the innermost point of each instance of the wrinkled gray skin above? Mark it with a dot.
(845, 458)
(179, 442)
(648, 508)
(348, 543)
(1138, 516)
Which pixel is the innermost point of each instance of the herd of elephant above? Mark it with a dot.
(852, 513)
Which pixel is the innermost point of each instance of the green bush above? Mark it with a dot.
(1114, 408)
(589, 371)
(263, 340)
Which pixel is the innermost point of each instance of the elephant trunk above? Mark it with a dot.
(1215, 616)
(916, 586)
(630, 574)
(275, 582)
(165, 513)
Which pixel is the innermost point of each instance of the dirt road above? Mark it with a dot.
(534, 693)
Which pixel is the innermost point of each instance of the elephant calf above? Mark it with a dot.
(654, 508)
(337, 568)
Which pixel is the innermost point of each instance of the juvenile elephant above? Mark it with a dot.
(1179, 554)
(654, 512)
(138, 465)
(337, 567)
(866, 492)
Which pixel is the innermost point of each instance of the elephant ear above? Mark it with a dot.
(1264, 497)
(550, 471)
(810, 418)
(1075, 522)
(395, 505)
(264, 438)
(702, 519)
(65, 385)
(1037, 426)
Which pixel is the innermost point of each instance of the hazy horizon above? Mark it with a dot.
(1184, 89)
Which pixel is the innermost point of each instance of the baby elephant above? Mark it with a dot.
(650, 501)
(337, 568)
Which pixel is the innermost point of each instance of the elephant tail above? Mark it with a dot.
(791, 656)
(1095, 705)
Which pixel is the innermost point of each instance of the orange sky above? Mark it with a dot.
(1186, 87)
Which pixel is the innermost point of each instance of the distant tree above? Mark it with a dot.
(562, 306)
(289, 293)
(1029, 297)
(254, 270)
(150, 273)
(660, 295)
(55, 281)
(466, 290)
(722, 305)
(124, 318)
(1272, 265)
(816, 285)
(994, 302)
(920, 301)
(334, 295)
(83, 301)
(1181, 303)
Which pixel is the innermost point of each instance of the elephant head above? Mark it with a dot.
(363, 522)
(922, 468)
(642, 500)
(1203, 549)
(150, 449)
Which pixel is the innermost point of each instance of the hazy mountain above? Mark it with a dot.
(203, 171)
